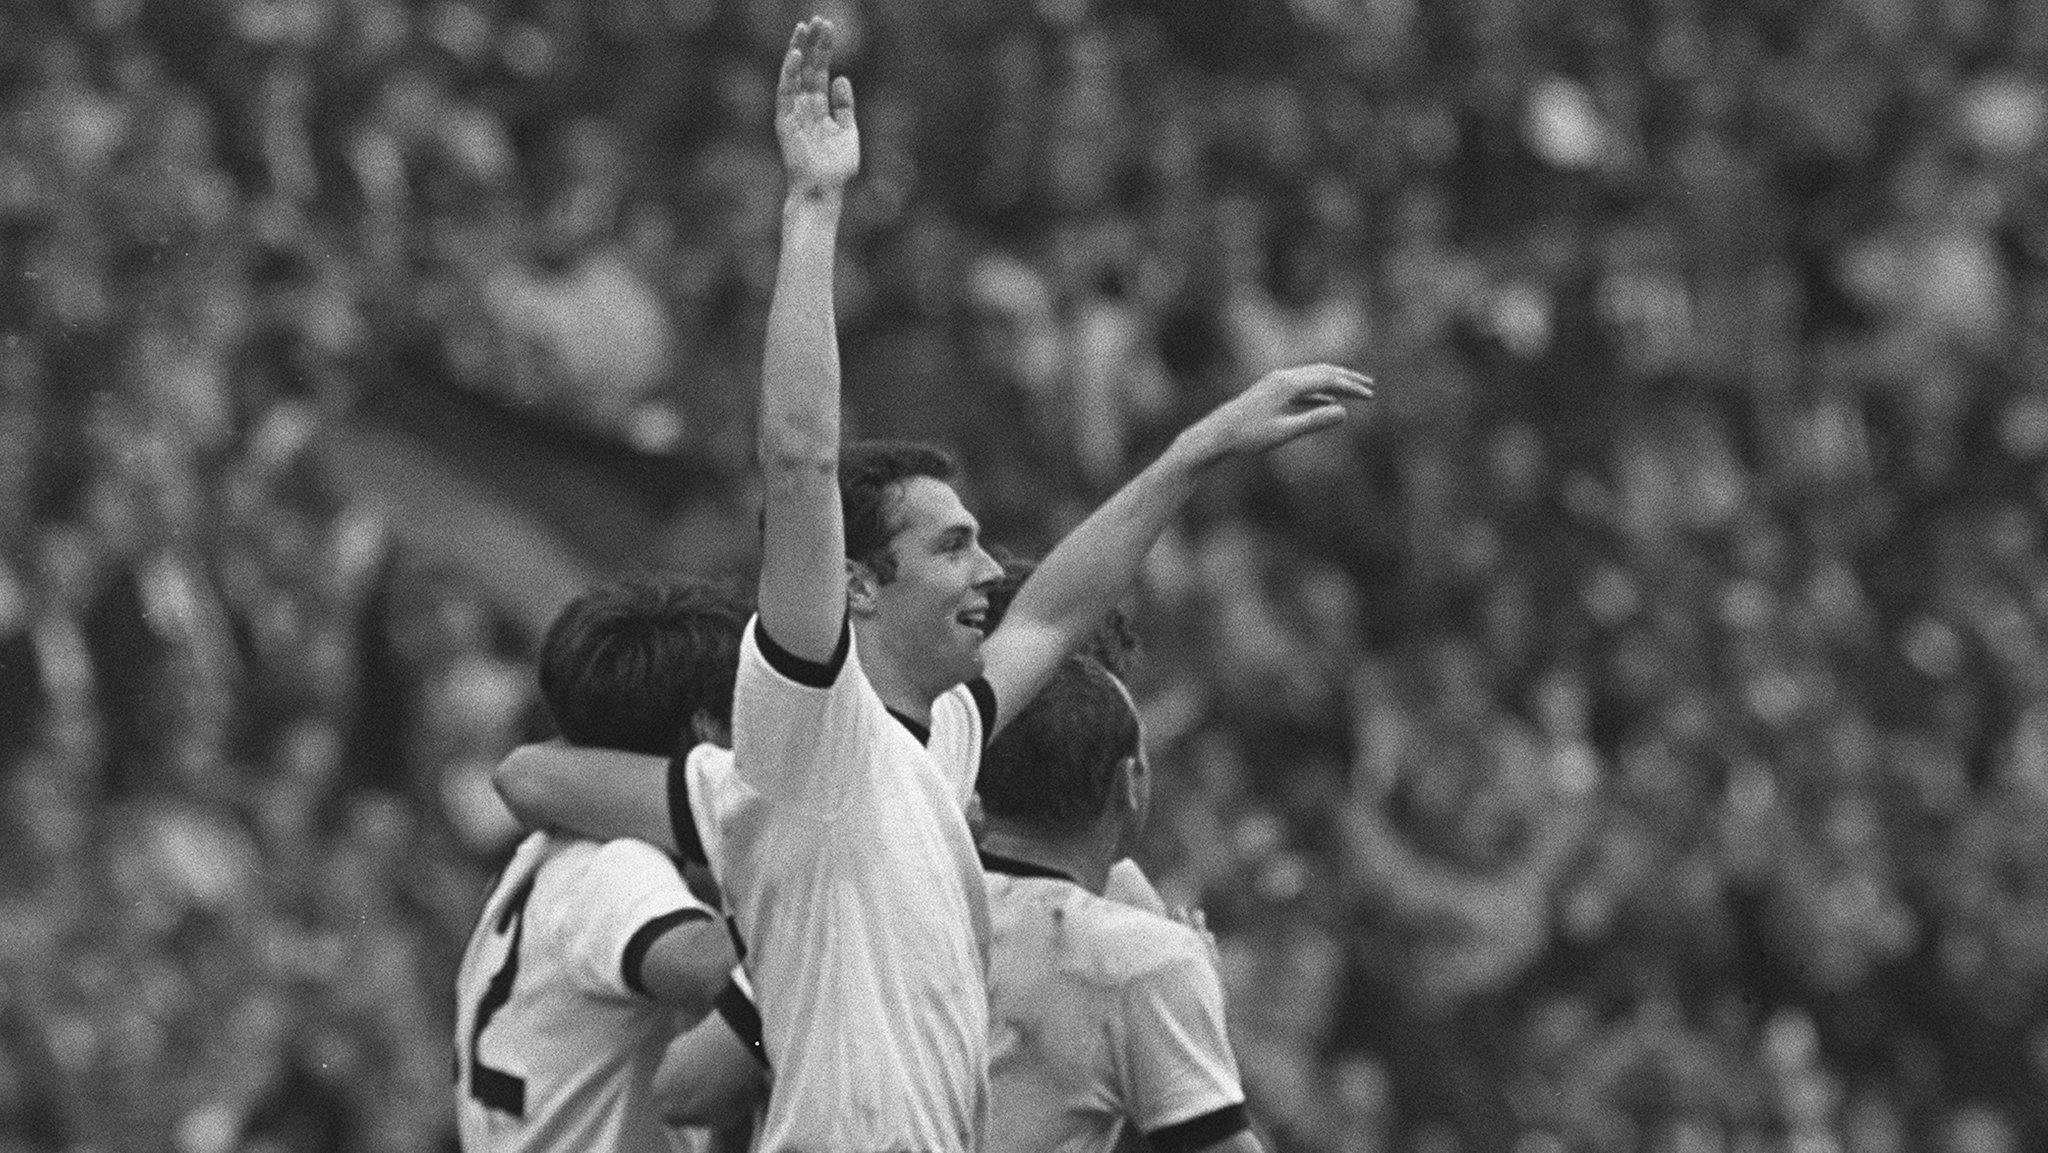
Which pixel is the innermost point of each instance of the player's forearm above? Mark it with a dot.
(1090, 570)
(802, 577)
(599, 793)
(708, 1078)
(800, 365)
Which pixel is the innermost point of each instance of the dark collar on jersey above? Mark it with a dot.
(992, 863)
(984, 703)
(923, 733)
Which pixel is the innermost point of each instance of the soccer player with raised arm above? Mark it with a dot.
(590, 958)
(867, 689)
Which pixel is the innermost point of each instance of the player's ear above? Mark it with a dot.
(1133, 790)
(860, 589)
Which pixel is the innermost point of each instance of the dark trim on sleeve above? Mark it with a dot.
(644, 938)
(984, 695)
(810, 674)
(739, 946)
(742, 1017)
(681, 818)
(1201, 1132)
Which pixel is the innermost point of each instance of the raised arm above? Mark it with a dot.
(1093, 567)
(803, 562)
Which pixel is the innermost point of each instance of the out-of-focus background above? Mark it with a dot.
(1632, 736)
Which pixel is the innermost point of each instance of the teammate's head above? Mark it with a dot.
(644, 665)
(1073, 758)
(918, 577)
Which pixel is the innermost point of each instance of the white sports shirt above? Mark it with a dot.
(1102, 1013)
(555, 1045)
(858, 894)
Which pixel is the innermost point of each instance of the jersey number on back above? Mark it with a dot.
(495, 1088)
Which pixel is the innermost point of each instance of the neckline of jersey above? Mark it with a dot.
(994, 863)
(923, 733)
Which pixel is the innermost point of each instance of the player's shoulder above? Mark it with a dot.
(585, 863)
(1149, 941)
(968, 704)
(1103, 941)
(625, 852)
(708, 762)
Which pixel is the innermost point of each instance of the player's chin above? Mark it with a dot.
(970, 651)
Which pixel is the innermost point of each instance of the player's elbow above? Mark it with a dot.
(708, 1079)
(798, 444)
(688, 1104)
(689, 1113)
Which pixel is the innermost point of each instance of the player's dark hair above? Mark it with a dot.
(629, 665)
(1113, 644)
(1054, 766)
(869, 473)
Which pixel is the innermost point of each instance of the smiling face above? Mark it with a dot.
(932, 615)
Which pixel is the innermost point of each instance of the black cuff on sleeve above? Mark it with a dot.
(810, 674)
(743, 1018)
(644, 938)
(1201, 1132)
(984, 695)
(682, 820)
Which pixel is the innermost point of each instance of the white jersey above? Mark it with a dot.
(858, 895)
(1102, 1014)
(556, 1045)
(702, 790)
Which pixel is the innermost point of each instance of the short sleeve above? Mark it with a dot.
(622, 888)
(959, 731)
(1128, 885)
(1176, 1058)
(709, 777)
(780, 724)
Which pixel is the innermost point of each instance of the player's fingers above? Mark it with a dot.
(1314, 419)
(792, 67)
(818, 60)
(1342, 381)
(842, 101)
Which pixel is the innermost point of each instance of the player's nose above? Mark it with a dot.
(987, 569)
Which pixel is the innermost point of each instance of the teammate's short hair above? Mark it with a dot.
(869, 473)
(1113, 643)
(629, 665)
(1055, 765)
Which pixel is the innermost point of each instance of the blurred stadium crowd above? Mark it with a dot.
(1634, 737)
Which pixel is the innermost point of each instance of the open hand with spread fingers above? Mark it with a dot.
(814, 113)
(1281, 406)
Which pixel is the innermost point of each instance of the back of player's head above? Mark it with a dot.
(1055, 766)
(1112, 644)
(869, 475)
(630, 665)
